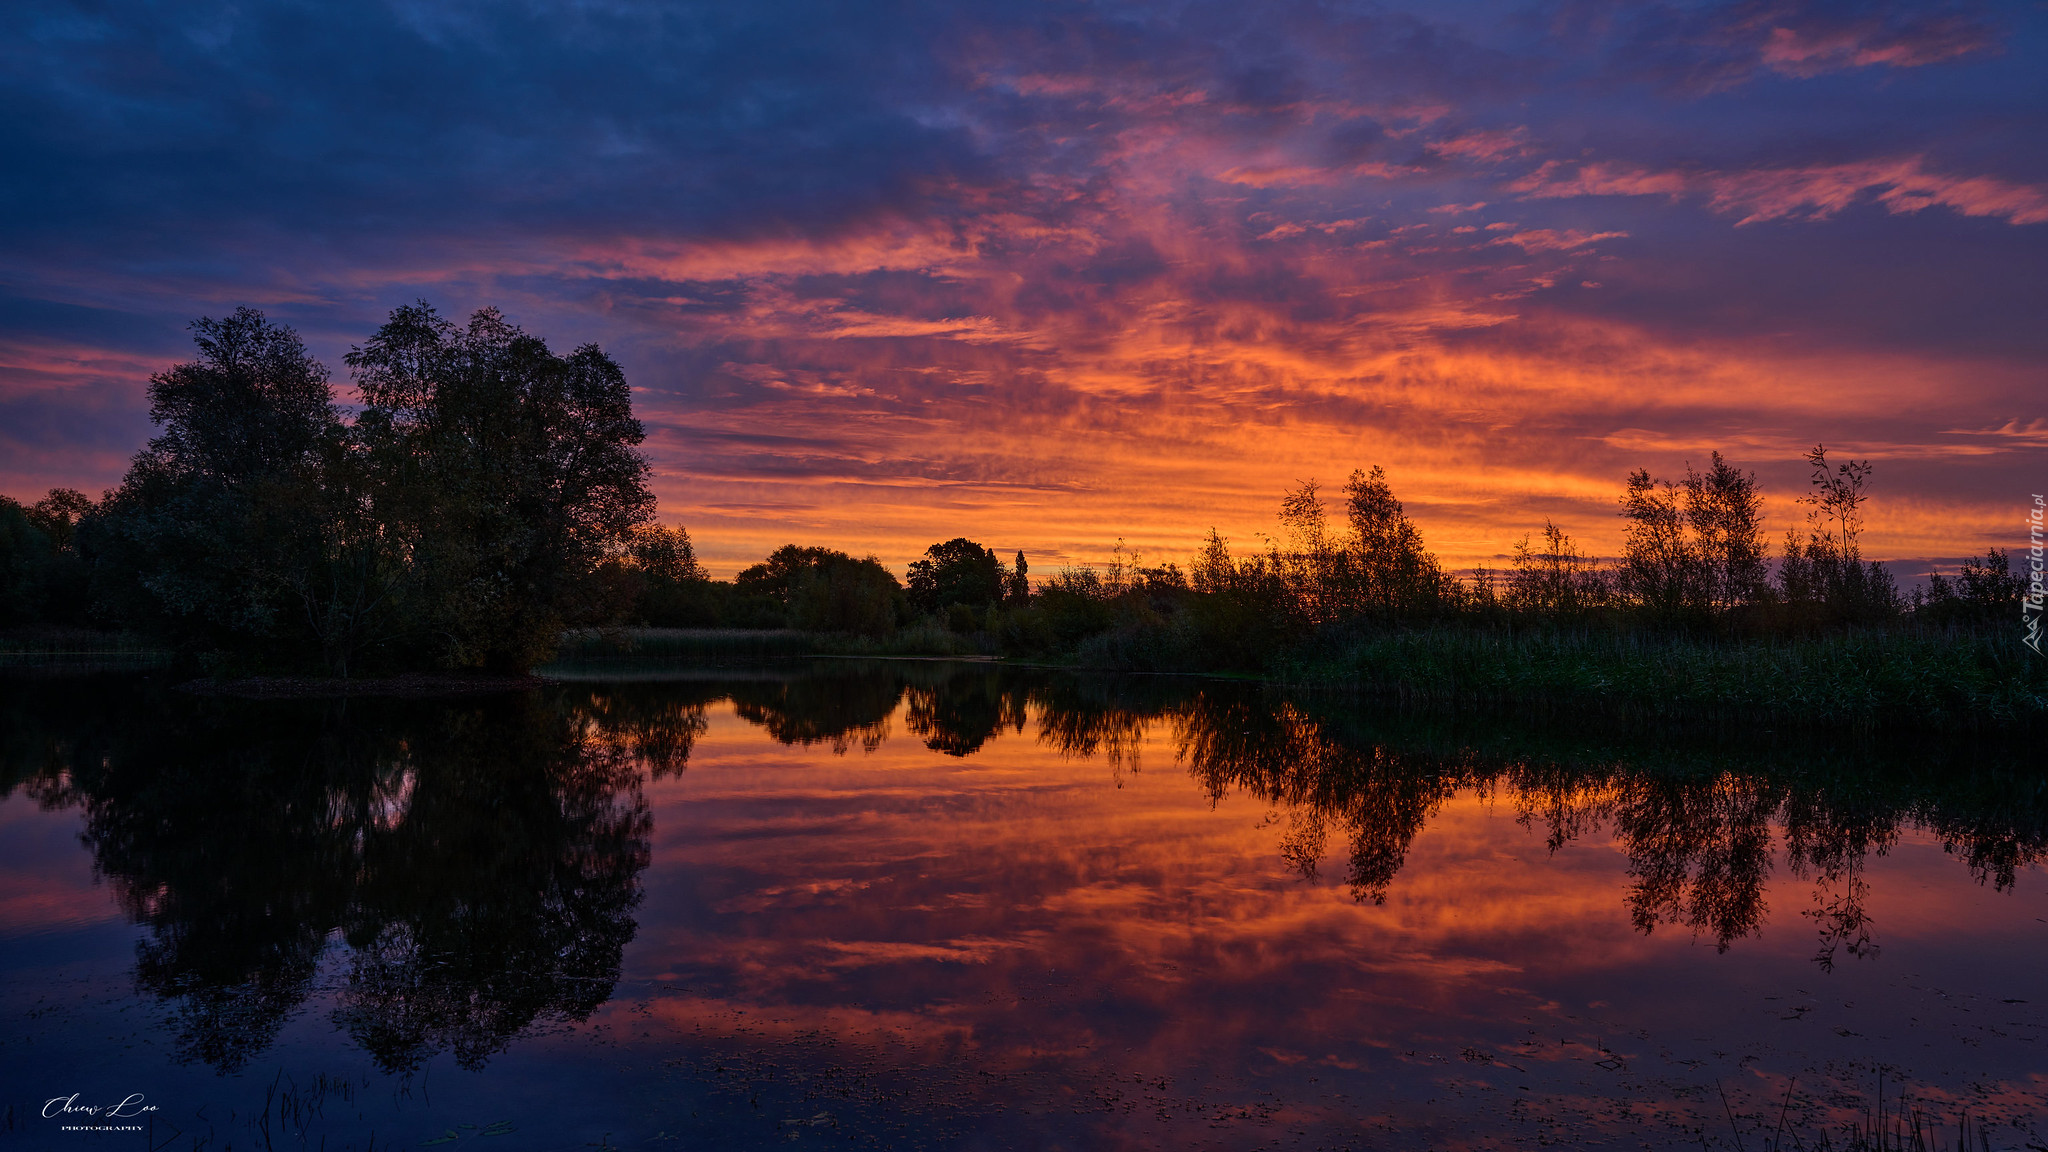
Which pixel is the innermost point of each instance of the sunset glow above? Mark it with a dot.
(1057, 275)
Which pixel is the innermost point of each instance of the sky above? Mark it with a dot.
(1060, 274)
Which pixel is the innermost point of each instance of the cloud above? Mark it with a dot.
(1061, 274)
(1553, 240)
(1902, 185)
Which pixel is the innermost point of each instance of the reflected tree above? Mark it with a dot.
(473, 920)
(963, 711)
(482, 862)
(837, 710)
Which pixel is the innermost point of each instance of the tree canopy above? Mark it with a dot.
(457, 521)
(958, 571)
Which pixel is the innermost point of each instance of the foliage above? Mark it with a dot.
(1985, 590)
(1557, 581)
(221, 518)
(842, 594)
(460, 520)
(1695, 548)
(958, 571)
(825, 590)
(1824, 578)
(24, 550)
(503, 474)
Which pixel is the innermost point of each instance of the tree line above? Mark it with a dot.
(456, 518)
(486, 494)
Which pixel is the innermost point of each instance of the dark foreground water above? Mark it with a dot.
(921, 905)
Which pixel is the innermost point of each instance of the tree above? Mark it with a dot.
(57, 515)
(1554, 581)
(779, 573)
(958, 571)
(666, 554)
(842, 594)
(1018, 591)
(459, 522)
(1984, 589)
(826, 590)
(1311, 567)
(1660, 568)
(1825, 573)
(1391, 573)
(221, 512)
(24, 549)
(1725, 512)
(661, 580)
(507, 475)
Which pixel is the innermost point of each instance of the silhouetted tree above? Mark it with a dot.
(825, 590)
(24, 551)
(1391, 573)
(1984, 589)
(958, 571)
(1825, 574)
(779, 573)
(505, 473)
(663, 580)
(1660, 568)
(1725, 513)
(222, 515)
(842, 594)
(458, 522)
(1556, 580)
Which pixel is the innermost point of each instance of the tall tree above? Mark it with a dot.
(508, 472)
(1660, 567)
(1725, 512)
(220, 512)
(1392, 572)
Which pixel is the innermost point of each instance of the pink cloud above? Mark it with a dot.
(1554, 240)
(1902, 185)
(1810, 52)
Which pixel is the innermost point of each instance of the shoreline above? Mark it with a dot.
(410, 686)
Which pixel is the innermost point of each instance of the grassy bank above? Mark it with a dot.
(1874, 678)
(1871, 678)
(663, 648)
(46, 646)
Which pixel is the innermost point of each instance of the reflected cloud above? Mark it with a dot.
(1031, 888)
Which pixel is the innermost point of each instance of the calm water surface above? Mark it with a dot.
(922, 905)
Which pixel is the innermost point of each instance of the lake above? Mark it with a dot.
(939, 905)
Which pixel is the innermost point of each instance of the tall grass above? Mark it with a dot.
(61, 647)
(1863, 678)
(654, 649)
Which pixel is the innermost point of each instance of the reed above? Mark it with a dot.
(1863, 678)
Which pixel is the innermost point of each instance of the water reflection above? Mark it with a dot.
(481, 862)
(1702, 824)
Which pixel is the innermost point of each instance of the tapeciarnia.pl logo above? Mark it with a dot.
(2037, 586)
